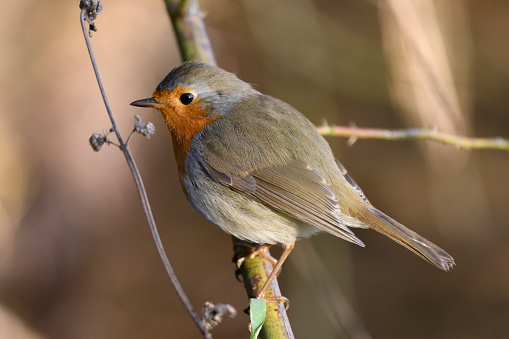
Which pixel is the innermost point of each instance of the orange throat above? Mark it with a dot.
(183, 121)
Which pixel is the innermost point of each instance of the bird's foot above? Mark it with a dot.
(250, 252)
(280, 300)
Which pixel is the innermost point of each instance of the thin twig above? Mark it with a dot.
(415, 133)
(141, 190)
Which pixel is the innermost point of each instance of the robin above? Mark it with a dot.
(258, 169)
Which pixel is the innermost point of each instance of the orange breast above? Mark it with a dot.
(183, 121)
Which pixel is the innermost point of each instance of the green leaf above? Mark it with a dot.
(257, 311)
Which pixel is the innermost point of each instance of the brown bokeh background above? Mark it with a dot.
(76, 256)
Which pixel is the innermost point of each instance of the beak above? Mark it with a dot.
(150, 102)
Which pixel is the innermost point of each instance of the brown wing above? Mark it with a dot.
(295, 190)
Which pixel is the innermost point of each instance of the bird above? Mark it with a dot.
(258, 169)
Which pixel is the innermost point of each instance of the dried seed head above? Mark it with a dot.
(145, 128)
(97, 140)
(92, 9)
(213, 314)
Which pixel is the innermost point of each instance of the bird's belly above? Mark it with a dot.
(240, 215)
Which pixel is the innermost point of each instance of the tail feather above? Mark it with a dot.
(411, 240)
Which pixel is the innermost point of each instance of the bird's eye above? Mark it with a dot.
(186, 98)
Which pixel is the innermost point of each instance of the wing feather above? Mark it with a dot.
(295, 190)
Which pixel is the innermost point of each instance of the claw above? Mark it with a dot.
(262, 251)
(238, 275)
(280, 300)
(252, 251)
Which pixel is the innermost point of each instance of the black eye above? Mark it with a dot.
(186, 98)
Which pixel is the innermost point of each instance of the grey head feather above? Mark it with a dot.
(217, 89)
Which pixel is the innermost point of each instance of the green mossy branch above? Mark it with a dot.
(254, 273)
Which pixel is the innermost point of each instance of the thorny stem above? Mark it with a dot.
(355, 133)
(141, 191)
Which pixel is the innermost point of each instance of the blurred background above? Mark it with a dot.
(76, 256)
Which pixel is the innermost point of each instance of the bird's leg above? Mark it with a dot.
(277, 267)
(252, 251)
